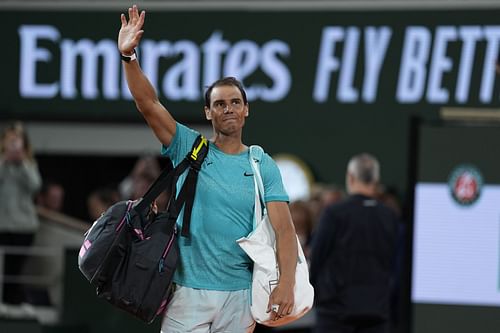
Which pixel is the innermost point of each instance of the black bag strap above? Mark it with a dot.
(188, 190)
(186, 198)
(159, 185)
(168, 179)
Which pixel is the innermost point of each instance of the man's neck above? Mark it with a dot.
(228, 144)
(366, 190)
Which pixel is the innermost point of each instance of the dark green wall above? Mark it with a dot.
(457, 51)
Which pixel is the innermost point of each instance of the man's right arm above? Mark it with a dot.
(158, 118)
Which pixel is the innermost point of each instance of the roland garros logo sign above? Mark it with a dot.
(465, 183)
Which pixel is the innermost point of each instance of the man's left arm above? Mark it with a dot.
(286, 245)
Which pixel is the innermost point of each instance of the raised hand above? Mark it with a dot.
(131, 32)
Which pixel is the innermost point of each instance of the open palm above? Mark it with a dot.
(131, 32)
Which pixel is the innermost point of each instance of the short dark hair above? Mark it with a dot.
(225, 81)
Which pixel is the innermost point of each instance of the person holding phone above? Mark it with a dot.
(19, 182)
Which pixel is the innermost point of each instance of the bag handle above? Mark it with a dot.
(168, 179)
(159, 185)
(255, 155)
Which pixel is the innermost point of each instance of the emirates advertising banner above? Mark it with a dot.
(64, 65)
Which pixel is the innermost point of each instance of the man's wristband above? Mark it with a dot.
(129, 58)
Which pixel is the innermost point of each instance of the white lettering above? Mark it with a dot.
(182, 79)
(30, 56)
(213, 49)
(151, 52)
(440, 64)
(327, 62)
(276, 70)
(345, 90)
(242, 60)
(376, 43)
(492, 34)
(92, 69)
(469, 36)
(434, 61)
(89, 53)
(411, 81)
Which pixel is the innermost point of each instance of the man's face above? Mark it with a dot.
(227, 110)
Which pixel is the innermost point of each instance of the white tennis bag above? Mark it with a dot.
(260, 245)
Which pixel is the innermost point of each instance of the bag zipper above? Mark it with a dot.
(126, 217)
(165, 252)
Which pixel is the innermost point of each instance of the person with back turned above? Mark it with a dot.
(353, 257)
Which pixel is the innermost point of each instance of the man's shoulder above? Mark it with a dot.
(183, 130)
(345, 203)
(265, 159)
(354, 203)
(184, 136)
(338, 207)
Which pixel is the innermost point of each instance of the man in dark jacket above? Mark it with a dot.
(352, 259)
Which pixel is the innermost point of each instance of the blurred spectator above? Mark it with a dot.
(302, 218)
(389, 196)
(353, 256)
(144, 173)
(323, 195)
(51, 196)
(100, 200)
(145, 170)
(19, 181)
(331, 194)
